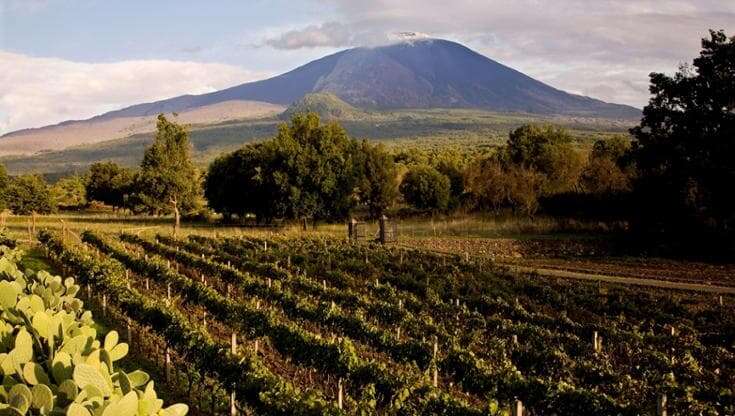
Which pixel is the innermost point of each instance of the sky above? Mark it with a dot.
(73, 59)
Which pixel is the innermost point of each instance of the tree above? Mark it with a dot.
(29, 194)
(425, 188)
(109, 183)
(4, 184)
(312, 167)
(168, 178)
(69, 192)
(609, 169)
(378, 186)
(548, 150)
(242, 170)
(493, 185)
(685, 149)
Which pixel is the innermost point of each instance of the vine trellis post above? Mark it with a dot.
(517, 409)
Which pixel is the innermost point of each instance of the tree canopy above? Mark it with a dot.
(309, 169)
(109, 183)
(426, 188)
(168, 181)
(548, 150)
(685, 149)
(28, 194)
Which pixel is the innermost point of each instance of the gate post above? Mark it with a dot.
(383, 222)
(351, 229)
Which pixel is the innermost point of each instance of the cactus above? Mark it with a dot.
(51, 360)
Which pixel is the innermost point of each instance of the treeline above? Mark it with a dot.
(166, 182)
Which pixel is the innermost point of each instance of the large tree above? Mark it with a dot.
(377, 178)
(685, 149)
(168, 179)
(423, 187)
(29, 194)
(309, 169)
(109, 183)
(313, 166)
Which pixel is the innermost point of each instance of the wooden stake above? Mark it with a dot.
(168, 291)
(168, 365)
(661, 405)
(594, 341)
(517, 409)
(104, 304)
(233, 404)
(234, 343)
(256, 347)
(147, 285)
(324, 284)
(339, 394)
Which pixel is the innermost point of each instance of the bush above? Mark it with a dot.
(425, 188)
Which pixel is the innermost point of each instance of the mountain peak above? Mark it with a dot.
(415, 71)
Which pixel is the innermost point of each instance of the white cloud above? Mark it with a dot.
(40, 91)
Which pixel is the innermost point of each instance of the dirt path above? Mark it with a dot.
(660, 279)
(620, 279)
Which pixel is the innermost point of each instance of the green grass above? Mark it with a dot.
(459, 225)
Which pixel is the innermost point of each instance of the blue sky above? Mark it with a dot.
(96, 31)
(73, 59)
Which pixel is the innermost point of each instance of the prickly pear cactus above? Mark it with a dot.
(51, 359)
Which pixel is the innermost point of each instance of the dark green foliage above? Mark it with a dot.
(376, 173)
(4, 183)
(168, 180)
(548, 150)
(109, 183)
(309, 169)
(29, 194)
(686, 147)
(425, 188)
(70, 192)
(609, 169)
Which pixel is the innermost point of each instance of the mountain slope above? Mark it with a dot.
(98, 129)
(430, 73)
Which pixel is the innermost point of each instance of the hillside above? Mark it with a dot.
(417, 128)
(328, 106)
(100, 129)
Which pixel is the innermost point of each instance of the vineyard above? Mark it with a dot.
(320, 326)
